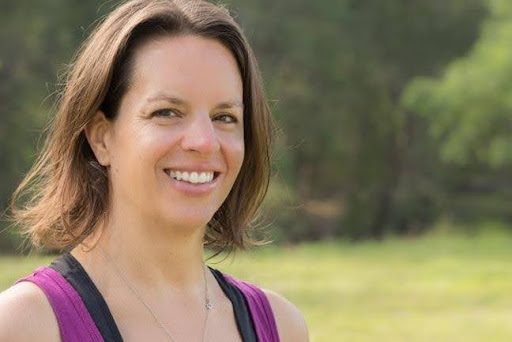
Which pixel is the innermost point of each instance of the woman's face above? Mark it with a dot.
(177, 144)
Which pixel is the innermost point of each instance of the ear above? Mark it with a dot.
(98, 133)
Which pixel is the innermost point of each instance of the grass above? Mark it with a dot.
(443, 287)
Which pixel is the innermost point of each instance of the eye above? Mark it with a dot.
(226, 118)
(166, 112)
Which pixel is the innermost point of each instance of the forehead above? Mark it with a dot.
(187, 66)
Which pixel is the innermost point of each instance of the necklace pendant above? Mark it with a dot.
(208, 306)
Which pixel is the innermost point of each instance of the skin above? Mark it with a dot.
(182, 111)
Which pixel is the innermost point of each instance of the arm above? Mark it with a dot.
(26, 315)
(290, 322)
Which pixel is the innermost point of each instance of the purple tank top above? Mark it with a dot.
(77, 325)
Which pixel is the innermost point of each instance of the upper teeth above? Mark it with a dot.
(192, 177)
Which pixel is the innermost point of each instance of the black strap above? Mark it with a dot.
(243, 316)
(75, 274)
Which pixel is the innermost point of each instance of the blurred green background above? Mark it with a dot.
(390, 200)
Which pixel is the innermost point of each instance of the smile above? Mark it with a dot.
(194, 177)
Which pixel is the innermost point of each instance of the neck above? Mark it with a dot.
(151, 254)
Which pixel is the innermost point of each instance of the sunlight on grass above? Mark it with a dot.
(443, 287)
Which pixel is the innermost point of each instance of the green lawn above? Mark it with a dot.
(437, 288)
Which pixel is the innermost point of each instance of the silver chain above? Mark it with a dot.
(207, 303)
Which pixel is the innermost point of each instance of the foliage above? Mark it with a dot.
(38, 38)
(338, 69)
(469, 106)
(352, 159)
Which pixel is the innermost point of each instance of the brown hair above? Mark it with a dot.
(65, 194)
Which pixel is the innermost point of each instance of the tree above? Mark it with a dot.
(38, 38)
(469, 107)
(338, 69)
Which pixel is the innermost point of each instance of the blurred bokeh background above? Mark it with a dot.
(393, 164)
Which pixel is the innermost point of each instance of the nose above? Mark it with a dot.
(200, 135)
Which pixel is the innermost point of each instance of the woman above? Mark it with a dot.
(160, 147)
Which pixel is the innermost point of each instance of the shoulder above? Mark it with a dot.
(291, 324)
(26, 315)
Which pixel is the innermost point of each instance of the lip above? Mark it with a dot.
(189, 189)
(198, 168)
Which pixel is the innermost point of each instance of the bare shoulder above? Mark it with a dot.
(291, 324)
(26, 315)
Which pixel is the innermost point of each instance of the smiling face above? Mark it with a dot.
(177, 143)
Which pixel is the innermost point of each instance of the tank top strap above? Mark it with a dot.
(75, 322)
(261, 311)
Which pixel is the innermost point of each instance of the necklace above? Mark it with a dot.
(207, 303)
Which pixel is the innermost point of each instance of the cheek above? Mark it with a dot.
(236, 154)
(155, 144)
(137, 148)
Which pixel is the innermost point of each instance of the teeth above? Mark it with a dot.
(192, 177)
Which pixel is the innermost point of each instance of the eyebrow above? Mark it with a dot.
(163, 97)
(230, 104)
(180, 102)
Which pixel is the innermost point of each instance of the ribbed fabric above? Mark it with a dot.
(261, 311)
(243, 316)
(75, 323)
(98, 309)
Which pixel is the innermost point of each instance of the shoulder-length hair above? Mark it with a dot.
(64, 196)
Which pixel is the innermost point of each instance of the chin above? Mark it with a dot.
(186, 214)
(189, 221)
